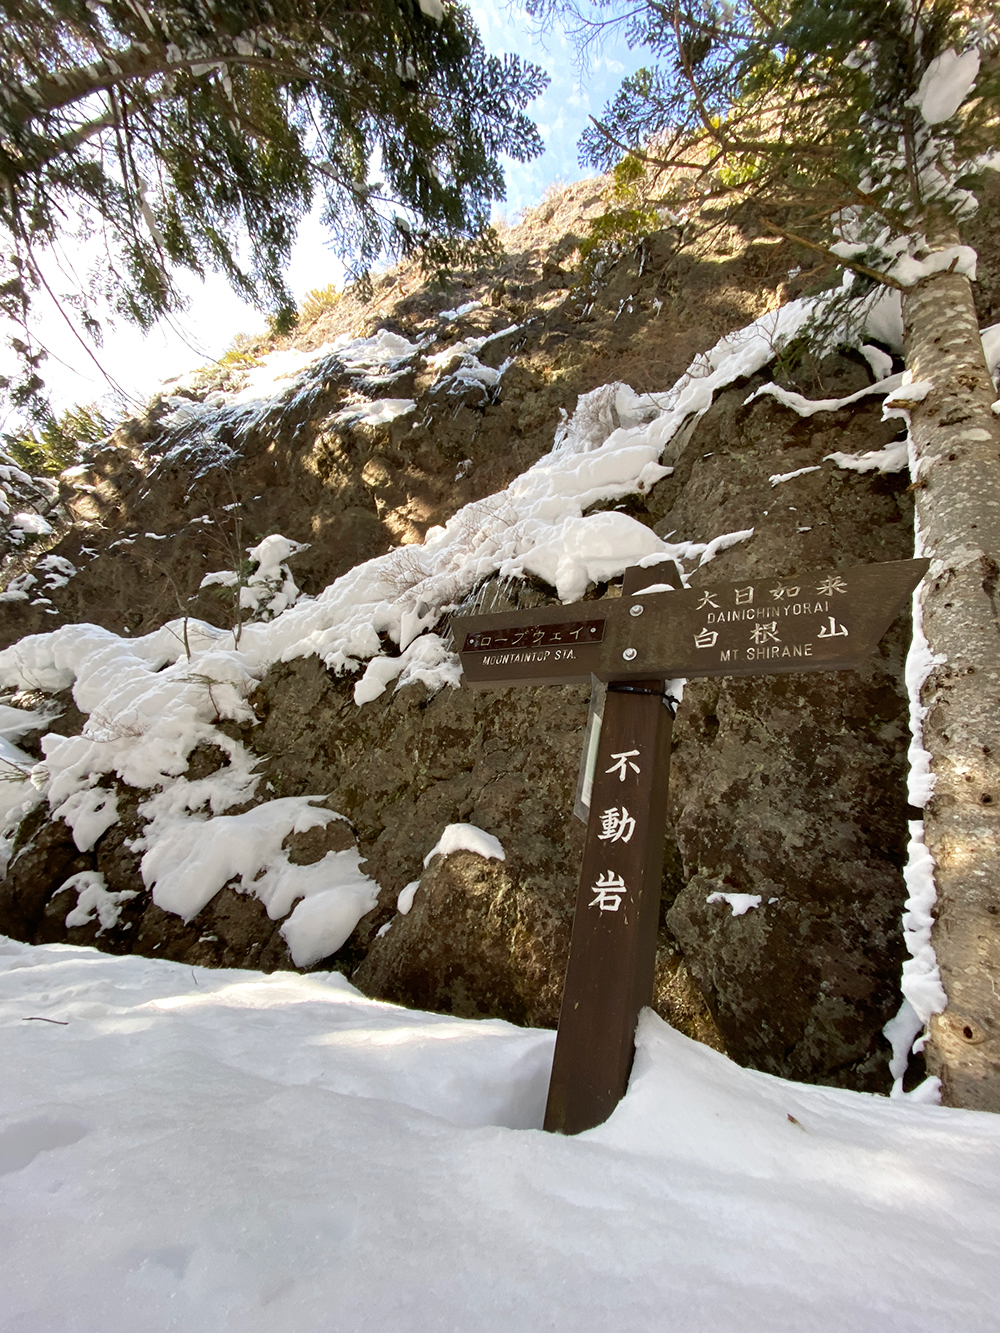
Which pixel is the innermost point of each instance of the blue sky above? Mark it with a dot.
(140, 363)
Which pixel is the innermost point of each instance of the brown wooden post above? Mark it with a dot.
(613, 948)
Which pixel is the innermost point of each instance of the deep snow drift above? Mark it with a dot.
(229, 1152)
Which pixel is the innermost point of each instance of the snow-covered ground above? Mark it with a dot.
(183, 1149)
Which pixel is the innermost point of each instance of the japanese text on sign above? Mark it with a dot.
(623, 762)
(617, 825)
(535, 636)
(609, 890)
(786, 603)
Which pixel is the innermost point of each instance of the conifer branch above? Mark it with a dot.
(884, 279)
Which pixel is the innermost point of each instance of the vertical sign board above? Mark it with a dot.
(657, 630)
(610, 973)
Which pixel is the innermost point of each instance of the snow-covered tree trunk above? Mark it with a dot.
(957, 443)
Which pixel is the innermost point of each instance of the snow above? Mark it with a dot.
(723, 543)
(376, 413)
(276, 371)
(893, 458)
(190, 859)
(589, 550)
(378, 674)
(740, 903)
(921, 978)
(271, 552)
(807, 407)
(991, 348)
(427, 660)
(382, 350)
(910, 391)
(953, 258)
(461, 311)
(879, 362)
(779, 477)
(460, 362)
(923, 993)
(270, 588)
(470, 371)
(32, 524)
(884, 320)
(946, 83)
(221, 578)
(227, 1152)
(337, 894)
(466, 838)
(57, 570)
(16, 723)
(94, 899)
(89, 814)
(473, 345)
(920, 662)
(16, 793)
(285, 371)
(406, 895)
(17, 588)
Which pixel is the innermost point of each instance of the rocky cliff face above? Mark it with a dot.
(791, 788)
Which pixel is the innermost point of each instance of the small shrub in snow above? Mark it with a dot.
(262, 587)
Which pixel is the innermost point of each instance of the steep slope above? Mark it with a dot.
(244, 799)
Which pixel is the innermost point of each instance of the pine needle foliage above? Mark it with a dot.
(808, 107)
(58, 442)
(195, 134)
(628, 219)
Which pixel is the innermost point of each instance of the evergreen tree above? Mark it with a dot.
(868, 121)
(196, 134)
(57, 443)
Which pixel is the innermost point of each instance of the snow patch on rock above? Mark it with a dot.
(741, 903)
(94, 899)
(893, 458)
(466, 838)
(189, 859)
(779, 477)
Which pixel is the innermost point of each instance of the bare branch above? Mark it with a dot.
(862, 269)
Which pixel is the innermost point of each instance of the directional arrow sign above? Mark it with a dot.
(825, 621)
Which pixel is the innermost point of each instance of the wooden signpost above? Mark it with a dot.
(658, 630)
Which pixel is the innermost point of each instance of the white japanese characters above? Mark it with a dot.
(624, 762)
(616, 825)
(767, 622)
(765, 633)
(831, 585)
(832, 630)
(609, 891)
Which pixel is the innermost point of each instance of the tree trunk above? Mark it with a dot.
(957, 442)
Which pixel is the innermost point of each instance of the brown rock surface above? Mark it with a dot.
(792, 788)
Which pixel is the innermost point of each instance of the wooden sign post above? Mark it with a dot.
(658, 630)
